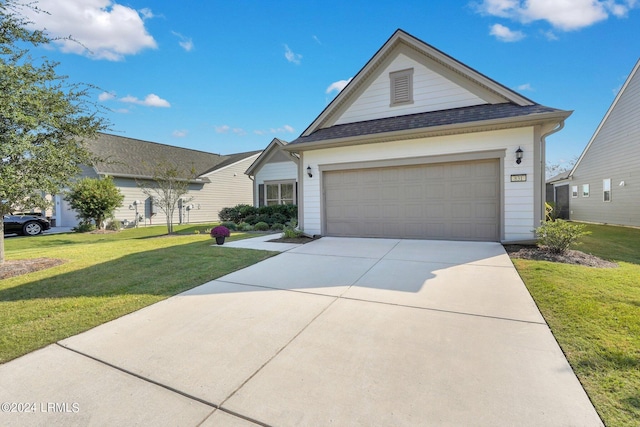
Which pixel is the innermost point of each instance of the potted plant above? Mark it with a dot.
(220, 232)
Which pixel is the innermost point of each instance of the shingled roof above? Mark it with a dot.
(433, 119)
(128, 157)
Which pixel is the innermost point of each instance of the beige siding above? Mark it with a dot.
(613, 153)
(229, 187)
(431, 92)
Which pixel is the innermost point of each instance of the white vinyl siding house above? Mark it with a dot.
(441, 166)
(275, 176)
(610, 163)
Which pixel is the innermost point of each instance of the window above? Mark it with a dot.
(401, 87)
(280, 193)
(606, 190)
(574, 191)
(585, 190)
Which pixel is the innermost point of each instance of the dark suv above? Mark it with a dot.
(28, 225)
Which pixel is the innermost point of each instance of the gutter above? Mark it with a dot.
(450, 129)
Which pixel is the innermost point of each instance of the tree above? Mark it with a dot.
(43, 119)
(169, 184)
(95, 199)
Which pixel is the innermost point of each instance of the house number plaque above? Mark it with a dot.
(519, 178)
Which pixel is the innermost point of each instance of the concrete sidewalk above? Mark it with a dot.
(371, 332)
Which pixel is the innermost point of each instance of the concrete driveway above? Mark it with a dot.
(371, 332)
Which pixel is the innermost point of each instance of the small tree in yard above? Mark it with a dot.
(95, 199)
(169, 183)
(43, 119)
(558, 235)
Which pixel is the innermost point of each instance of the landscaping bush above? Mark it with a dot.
(261, 226)
(290, 231)
(114, 225)
(556, 236)
(251, 215)
(277, 226)
(243, 226)
(84, 227)
(230, 225)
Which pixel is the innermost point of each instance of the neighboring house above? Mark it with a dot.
(558, 196)
(419, 145)
(219, 180)
(604, 184)
(275, 176)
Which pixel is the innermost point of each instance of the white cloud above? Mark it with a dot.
(105, 96)
(102, 29)
(317, 39)
(291, 56)
(505, 34)
(526, 86)
(565, 15)
(222, 129)
(338, 86)
(151, 100)
(180, 133)
(185, 42)
(282, 129)
(227, 129)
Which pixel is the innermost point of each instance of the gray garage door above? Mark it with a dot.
(458, 201)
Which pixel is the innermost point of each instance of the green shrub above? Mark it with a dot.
(556, 236)
(230, 225)
(243, 226)
(290, 231)
(264, 218)
(261, 226)
(113, 225)
(84, 227)
(252, 215)
(277, 226)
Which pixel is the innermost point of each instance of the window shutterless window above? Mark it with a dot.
(585, 190)
(280, 193)
(574, 191)
(606, 190)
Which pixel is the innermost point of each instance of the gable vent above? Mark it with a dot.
(401, 87)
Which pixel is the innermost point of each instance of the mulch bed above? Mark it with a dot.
(570, 257)
(23, 266)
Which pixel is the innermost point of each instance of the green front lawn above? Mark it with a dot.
(594, 314)
(105, 277)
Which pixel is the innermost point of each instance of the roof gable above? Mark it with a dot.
(441, 82)
(273, 150)
(627, 101)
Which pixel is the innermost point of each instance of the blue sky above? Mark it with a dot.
(229, 76)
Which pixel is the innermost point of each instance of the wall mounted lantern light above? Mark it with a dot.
(519, 154)
(309, 172)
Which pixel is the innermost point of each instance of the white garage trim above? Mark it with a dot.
(486, 229)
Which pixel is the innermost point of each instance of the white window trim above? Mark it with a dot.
(394, 77)
(574, 191)
(279, 184)
(606, 183)
(585, 190)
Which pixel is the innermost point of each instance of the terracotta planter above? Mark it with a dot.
(220, 240)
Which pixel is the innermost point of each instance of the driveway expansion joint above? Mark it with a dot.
(164, 386)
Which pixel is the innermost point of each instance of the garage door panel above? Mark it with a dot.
(439, 201)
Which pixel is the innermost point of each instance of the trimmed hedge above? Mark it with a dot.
(274, 214)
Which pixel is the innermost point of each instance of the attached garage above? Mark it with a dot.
(420, 146)
(457, 200)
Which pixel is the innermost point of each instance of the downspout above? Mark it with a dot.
(542, 168)
(255, 190)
